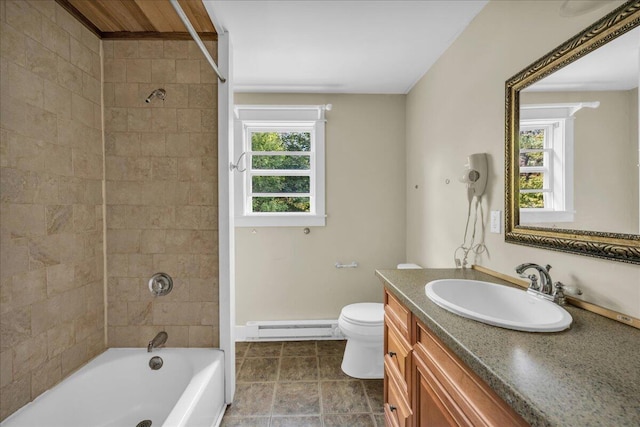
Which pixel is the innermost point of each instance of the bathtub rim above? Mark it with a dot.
(219, 360)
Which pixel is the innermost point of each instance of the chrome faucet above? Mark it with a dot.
(545, 288)
(157, 341)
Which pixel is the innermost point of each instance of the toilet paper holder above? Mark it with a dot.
(352, 265)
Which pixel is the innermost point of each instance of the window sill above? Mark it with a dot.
(536, 217)
(291, 220)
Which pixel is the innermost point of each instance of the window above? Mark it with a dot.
(281, 174)
(546, 162)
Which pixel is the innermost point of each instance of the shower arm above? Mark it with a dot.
(196, 38)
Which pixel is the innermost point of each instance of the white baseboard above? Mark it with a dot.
(289, 330)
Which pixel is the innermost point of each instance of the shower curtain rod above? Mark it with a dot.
(196, 38)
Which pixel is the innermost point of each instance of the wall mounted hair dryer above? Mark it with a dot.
(475, 174)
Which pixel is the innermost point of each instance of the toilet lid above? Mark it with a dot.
(364, 313)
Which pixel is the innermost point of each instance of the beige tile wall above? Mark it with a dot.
(161, 192)
(51, 204)
(161, 200)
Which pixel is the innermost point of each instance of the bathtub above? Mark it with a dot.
(119, 389)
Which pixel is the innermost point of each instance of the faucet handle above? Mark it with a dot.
(534, 282)
(548, 267)
(569, 289)
(559, 292)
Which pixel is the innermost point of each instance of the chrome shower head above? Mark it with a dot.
(158, 93)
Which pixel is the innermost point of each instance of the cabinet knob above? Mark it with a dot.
(392, 408)
(391, 354)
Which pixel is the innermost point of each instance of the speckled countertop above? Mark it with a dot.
(588, 375)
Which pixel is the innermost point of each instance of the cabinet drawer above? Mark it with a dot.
(397, 314)
(396, 408)
(398, 349)
(392, 374)
(480, 405)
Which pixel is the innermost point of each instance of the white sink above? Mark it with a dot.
(498, 305)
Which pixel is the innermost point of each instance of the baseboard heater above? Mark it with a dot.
(290, 330)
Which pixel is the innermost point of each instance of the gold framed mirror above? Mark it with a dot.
(559, 186)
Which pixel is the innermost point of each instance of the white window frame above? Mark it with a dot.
(278, 118)
(558, 119)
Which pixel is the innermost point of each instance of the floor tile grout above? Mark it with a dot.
(307, 411)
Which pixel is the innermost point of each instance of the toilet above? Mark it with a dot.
(363, 326)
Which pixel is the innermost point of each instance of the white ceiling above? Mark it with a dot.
(354, 46)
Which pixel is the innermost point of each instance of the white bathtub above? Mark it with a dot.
(119, 389)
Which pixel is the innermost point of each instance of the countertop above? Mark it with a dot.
(588, 375)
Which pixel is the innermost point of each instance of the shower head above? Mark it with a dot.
(158, 93)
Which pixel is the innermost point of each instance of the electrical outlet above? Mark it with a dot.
(495, 222)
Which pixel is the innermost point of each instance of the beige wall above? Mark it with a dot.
(456, 109)
(605, 159)
(51, 271)
(283, 274)
(161, 192)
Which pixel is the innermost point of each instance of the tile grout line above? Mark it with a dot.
(332, 367)
(275, 385)
(320, 403)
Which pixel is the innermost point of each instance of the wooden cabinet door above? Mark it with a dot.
(462, 394)
(432, 405)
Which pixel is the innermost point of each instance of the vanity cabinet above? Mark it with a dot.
(397, 363)
(440, 389)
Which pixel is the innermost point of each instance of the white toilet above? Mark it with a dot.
(363, 326)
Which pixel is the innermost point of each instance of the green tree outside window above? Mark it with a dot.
(281, 142)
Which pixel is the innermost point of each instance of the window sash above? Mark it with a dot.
(547, 190)
(253, 172)
(280, 119)
(250, 194)
(557, 195)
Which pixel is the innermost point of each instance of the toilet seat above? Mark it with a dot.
(364, 314)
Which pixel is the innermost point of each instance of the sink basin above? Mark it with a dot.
(498, 305)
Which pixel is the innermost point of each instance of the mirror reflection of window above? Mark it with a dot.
(599, 64)
(546, 146)
(536, 183)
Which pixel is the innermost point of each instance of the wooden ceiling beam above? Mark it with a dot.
(197, 14)
(66, 5)
(142, 19)
(157, 13)
(138, 16)
(155, 35)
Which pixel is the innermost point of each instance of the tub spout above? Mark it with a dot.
(157, 341)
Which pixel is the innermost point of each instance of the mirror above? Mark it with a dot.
(572, 144)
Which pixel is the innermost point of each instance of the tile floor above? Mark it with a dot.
(300, 384)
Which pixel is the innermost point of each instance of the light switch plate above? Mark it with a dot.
(495, 222)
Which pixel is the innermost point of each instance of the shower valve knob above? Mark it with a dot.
(160, 284)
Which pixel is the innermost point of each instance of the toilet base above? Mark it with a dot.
(363, 360)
